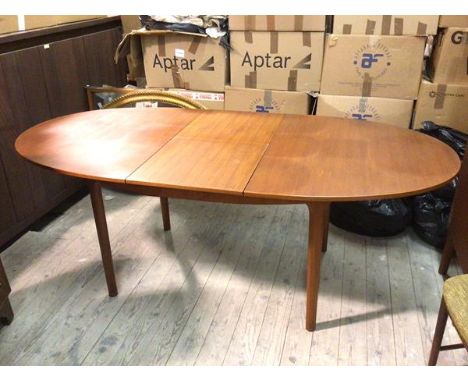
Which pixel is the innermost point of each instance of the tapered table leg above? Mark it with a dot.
(326, 217)
(447, 255)
(103, 235)
(165, 213)
(6, 313)
(317, 213)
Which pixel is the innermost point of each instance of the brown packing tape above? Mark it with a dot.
(347, 28)
(273, 42)
(251, 80)
(306, 39)
(161, 41)
(248, 37)
(298, 23)
(362, 105)
(370, 26)
(422, 29)
(292, 80)
(249, 22)
(194, 44)
(386, 24)
(398, 26)
(267, 98)
(366, 86)
(271, 23)
(439, 98)
(176, 77)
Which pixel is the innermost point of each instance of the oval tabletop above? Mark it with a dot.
(284, 157)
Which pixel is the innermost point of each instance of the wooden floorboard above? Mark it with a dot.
(225, 286)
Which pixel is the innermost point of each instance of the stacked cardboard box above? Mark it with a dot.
(193, 64)
(276, 61)
(444, 100)
(372, 67)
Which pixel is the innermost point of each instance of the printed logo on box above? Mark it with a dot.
(259, 106)
(167, 63)
(363, 112)
(459, 36)
(373, 60)
(276, 62)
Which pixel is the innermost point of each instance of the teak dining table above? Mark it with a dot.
(239, 157)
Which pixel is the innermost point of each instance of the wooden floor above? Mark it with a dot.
(224, 287)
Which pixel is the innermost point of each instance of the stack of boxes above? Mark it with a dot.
(444, 101)
(369, 68)
(276, 61)
(373, 67)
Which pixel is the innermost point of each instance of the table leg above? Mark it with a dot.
(317, 218)
(6, 313)
(165, 213)
(103, 235)
(326, 221)
(447, 255)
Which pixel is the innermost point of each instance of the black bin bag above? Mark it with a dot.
(431, 210)
(385, 217)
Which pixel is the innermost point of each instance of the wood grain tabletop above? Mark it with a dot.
(298, 158)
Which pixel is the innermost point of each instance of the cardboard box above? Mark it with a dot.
(447, 21)
(386, 25)
(373, 66)
(267, 101)
(8, 24)
(310, 23)
(212, 101)
(443, 104)
(175, 60)
(450, 56)
(33, 22)
(277, 60)
(184, 61)
(392, 111)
